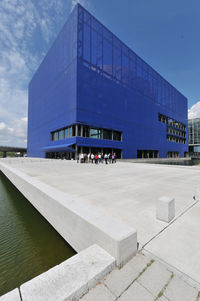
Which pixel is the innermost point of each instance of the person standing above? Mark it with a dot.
(92, 158)
(82, 158)
(106, 158)
(99, 157)
(113, 158)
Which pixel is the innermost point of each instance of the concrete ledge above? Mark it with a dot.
(70, 279)
(155, 160)
(80, 224)
(11, 296)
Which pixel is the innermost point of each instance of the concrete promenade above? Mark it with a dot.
(128, 192)
(142, 279)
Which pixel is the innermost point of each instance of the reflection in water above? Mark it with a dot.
(28, 244)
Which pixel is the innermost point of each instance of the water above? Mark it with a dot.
(186, 163)
(29, 245)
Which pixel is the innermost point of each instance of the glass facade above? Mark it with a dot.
(101, 51)
(194, 131)
(81, 130)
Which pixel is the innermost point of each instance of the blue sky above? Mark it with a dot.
(165, 33)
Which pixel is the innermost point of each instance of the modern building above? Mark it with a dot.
(194, 135)
(92, 93)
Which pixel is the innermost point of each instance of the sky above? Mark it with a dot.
(165, 33)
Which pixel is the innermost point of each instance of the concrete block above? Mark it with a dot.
(136, 292)
(155, 278)
(99, 293)
(11, 296)
(71, 279)
(165, 209)
(179, 290)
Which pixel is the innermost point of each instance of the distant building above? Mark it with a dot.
(194, 135)
(92, 93)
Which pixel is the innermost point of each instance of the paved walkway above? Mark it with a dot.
(128, 191)
(142, 279)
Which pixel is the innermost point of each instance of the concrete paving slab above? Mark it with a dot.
(155, 278)
(119, 280)
(179, 244)
(11, 296)
(136, 292)
(162, 299)
(99, 293)
(139, 262)
(178, 290)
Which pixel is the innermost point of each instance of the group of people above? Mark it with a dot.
(96, 158)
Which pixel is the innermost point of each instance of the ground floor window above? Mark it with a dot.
(82, 130)
(172, 154)
(147, 153)
(96, 150)
(84, 150)
(61, 155)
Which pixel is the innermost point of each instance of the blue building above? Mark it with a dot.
(92, 93)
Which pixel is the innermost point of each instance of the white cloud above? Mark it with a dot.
(15, 131)
(194, 111)
(2, 126)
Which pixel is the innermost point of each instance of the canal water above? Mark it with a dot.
(178, 162)
(29, 245)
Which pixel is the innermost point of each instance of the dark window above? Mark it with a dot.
(74, 130)
(116, 135)
(107, 134)
(85, 131)
(52, 136)
(69, 131)
(79, 130)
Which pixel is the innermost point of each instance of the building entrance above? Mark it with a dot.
(96, 150)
